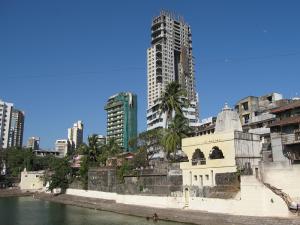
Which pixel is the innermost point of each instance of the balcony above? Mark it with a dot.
(290, 139)
(260, 131)
(261, 118)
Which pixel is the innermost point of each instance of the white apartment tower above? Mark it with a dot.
(170, 59)
(75, 134)
(5, 118)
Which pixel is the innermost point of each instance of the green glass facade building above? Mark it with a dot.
(122, 118)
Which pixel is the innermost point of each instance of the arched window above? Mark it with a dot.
(216, 153)
(198, 158)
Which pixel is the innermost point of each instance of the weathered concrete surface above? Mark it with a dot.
(13, 193)
(179, 215)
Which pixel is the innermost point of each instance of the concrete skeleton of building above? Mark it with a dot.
(11, 126)
(122, 118)
(170, 58)
(75, 134)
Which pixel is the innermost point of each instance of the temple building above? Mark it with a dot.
(221, 154)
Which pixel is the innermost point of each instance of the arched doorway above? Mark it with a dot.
(186, 197)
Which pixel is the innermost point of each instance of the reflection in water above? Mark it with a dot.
(29, 211)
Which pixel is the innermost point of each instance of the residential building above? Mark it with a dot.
(285, 133)
(101, 140)
(5, 118)
(11, 125)
(122, 118)
(255, 116)
(252, 106)
(33, 143)
(62, 146)
(75, 134)
(16, 128)
(225, 151)
(206, 126)
(169, 59)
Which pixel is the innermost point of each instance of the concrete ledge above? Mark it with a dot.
(178, 215)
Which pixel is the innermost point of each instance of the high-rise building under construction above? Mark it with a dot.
(170, 59)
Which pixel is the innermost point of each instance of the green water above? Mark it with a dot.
(29, 211)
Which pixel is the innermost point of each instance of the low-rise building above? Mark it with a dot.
(285, 133)
(32, 180)
(255, 115)
(119, 159)
(222, 153)
(206, 126)
(42, 152)
(251, 106)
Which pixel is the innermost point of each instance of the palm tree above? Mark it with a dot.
(93, 147)
(172, 100)
(178, 129)
(111, 148)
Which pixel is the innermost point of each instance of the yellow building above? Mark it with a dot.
(221, 153)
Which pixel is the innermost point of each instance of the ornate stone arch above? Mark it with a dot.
(216, 153)
(198, 157)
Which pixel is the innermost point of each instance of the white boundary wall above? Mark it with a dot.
(256, 200)
(284, 176)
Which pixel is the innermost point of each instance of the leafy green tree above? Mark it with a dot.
(149, 142)
(43, 163)
(140, 158)
(16, 160)
(125, 169)
(172, 100)
(82, 149)
(83, 172)
(60, 177)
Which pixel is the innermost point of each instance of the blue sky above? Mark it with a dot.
(61, 60)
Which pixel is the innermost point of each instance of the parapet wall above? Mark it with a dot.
(282, 175)
(161, 179)
(255, 200)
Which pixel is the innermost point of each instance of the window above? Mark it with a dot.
(198, 158)
(246, 118)
(207, 177)
(245, 106)
(195, 178)
(216, 153)
(297, 135)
